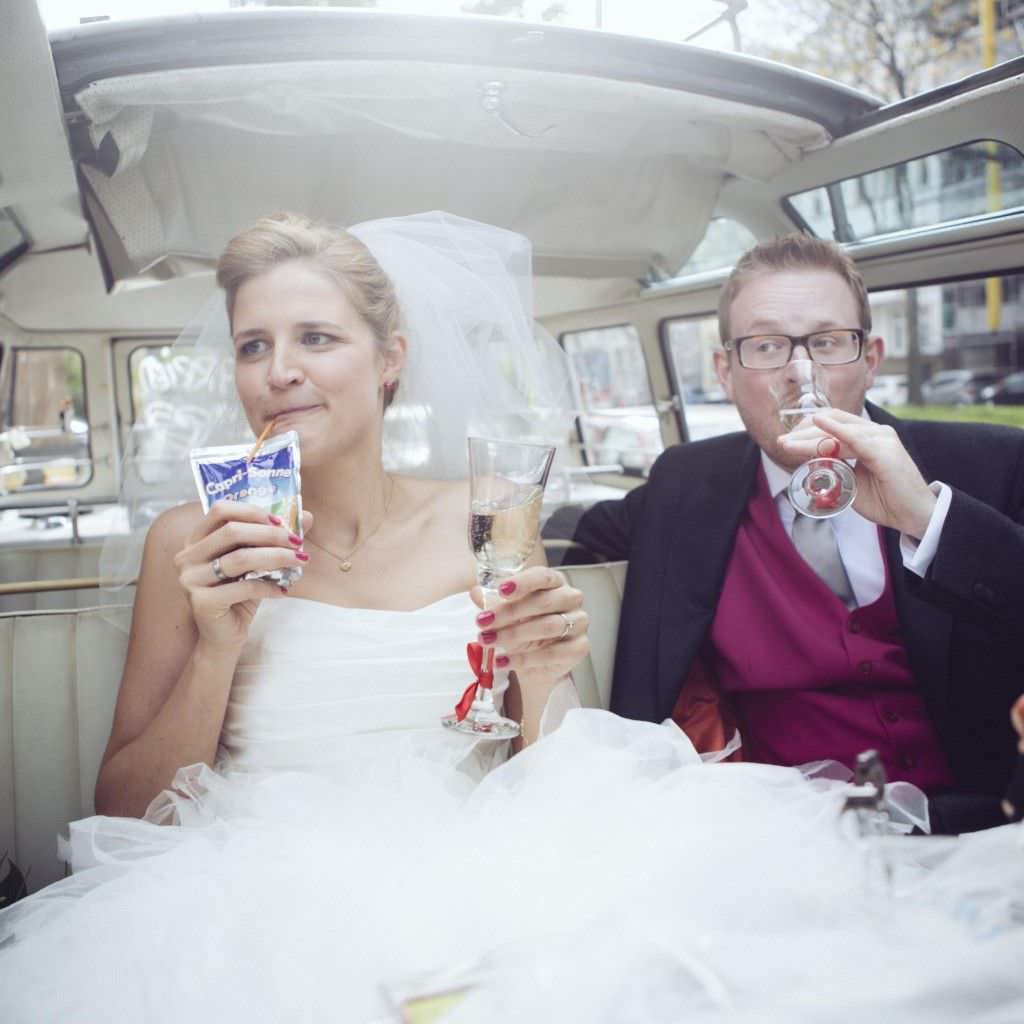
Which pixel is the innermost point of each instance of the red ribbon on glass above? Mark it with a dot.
(822, 500)
(484, 677)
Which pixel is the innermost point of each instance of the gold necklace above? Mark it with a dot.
(345, 561)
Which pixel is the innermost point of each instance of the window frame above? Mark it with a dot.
(12, 353)
(583, 444)
(665, 345)
(908, 232)
(123, 346)
(139, 343)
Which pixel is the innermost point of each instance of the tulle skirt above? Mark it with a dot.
(606, 874)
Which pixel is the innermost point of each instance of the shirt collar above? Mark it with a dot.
(778, 478)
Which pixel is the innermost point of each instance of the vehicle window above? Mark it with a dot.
(12, 239)
(690, 345)
(44, 443)
(159, 383)
(953, 351)
(954, 184)
(617, 423)
(722, 245)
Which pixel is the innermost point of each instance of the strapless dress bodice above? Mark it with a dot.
(317, 682)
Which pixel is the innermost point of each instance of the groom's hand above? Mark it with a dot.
(539, 627)
(890, 488)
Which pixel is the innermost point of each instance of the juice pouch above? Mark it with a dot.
(268, 479)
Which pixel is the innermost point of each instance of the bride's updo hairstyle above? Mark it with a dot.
(283, 237)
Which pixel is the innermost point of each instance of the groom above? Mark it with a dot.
(897, 625)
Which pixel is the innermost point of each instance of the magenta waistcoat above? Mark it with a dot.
(809, 679)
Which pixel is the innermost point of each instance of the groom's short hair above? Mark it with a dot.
(793, 252)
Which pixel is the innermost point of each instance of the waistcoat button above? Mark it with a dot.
(865, 667)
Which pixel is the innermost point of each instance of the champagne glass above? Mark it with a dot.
(823, 486)
(506, 480)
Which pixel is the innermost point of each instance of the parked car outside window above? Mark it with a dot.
(958, 387)
(889, 389)
(1008, 391)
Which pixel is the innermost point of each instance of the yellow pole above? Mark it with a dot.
(993, 180)
(987, 15)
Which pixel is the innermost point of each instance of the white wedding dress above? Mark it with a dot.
(347, 844)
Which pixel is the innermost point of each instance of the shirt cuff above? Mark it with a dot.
(918, 556)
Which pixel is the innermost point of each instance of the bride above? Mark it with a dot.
(318, 348)
(328, 850)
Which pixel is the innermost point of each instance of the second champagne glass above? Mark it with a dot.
(507, 480)
(823, 486)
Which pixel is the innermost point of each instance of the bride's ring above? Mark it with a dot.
(221, 575)
(567, 628)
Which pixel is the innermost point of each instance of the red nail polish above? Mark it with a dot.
(501, 661)
(293, 539)
(302, 556)
(489, 637)
(506, 588)
(485, 618)
(276, 520)
(284, 590)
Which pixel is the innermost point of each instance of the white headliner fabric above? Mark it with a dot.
(206, 151)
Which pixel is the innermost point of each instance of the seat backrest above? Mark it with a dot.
(52, 562)
(59, 675)
(602, 587)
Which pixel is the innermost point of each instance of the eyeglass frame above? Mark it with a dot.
(794, 340)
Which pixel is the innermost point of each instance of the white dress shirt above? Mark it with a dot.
(858, 540)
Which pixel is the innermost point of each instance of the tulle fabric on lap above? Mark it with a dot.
(606, 874)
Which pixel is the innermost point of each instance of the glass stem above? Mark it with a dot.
(483, 705)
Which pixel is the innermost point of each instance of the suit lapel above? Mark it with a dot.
(926, 629)
(708, 506)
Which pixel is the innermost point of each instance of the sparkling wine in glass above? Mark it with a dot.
(823, 486)
(506, 480)
(503, 536)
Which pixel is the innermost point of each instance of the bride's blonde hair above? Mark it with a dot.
(283, 237)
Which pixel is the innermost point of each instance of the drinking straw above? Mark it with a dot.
(259, 441)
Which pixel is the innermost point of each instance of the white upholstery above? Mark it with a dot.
(67, 561)
(59, 674)
(602, 587)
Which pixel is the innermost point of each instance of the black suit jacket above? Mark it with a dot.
(963, 625)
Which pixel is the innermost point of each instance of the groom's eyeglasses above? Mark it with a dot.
(773, 351)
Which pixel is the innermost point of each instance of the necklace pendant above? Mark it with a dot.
(345, 566)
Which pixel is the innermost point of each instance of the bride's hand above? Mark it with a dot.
(234, 538)
(540, 625)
